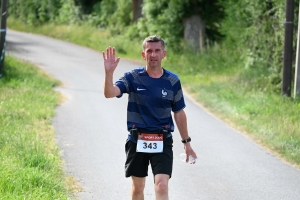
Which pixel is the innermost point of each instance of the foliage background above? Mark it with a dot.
(255, 27)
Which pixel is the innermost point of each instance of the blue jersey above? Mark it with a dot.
(151, 100)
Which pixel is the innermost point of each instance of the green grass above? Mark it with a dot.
(271, 120)
(219, 79)
(30, 167)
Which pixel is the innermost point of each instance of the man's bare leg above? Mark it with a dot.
(161, 186)
(137, 188)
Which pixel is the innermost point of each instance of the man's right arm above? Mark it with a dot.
(110, 90)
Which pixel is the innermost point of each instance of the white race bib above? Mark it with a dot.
(150, 143)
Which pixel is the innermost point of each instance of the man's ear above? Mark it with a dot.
(165, 53)
(144, 55)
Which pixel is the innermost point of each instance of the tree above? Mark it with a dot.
(87, 6)
(194, 32)
(35, 12)
(183, 19)
(136, 9)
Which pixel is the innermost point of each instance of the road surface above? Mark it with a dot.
(91, 132)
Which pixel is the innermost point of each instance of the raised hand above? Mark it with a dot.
(110, 60)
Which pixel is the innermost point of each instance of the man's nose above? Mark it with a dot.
(153, 53)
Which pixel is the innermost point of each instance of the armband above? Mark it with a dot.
(187, 140)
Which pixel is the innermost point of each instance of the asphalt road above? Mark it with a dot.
(91, 132)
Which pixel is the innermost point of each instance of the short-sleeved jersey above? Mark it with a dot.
(151, 100)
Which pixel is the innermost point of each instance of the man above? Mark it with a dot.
(153, 93)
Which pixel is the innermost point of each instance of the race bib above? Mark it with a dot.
(150, 143)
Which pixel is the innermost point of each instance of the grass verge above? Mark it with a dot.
(30, 167)
(217, 78)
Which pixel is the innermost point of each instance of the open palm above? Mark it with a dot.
(110, 60)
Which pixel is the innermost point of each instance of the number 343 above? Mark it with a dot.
(150, 145)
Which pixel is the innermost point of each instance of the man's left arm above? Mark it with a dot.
(181, 122)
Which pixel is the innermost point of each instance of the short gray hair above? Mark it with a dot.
(153, 38)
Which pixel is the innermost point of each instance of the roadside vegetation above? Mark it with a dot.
(30, 164)
(236, 76)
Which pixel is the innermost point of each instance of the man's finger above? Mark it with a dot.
(107, 52)
(114, 52)
(111, 53)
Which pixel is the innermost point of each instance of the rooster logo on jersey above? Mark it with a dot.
(164, 93)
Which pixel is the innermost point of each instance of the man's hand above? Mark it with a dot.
(110, 61)
(189, 152)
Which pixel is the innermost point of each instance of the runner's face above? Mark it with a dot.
(153, 54)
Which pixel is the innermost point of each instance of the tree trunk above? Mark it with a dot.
(136, 9)
(194, 32)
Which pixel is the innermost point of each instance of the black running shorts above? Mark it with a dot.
(137, 163)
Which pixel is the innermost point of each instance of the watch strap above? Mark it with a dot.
(187, 140)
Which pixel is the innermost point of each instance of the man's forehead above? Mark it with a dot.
(153, 45)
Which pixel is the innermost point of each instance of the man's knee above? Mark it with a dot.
(161, 184)
(161, 187)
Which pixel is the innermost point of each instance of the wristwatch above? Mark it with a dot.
(187, 140)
